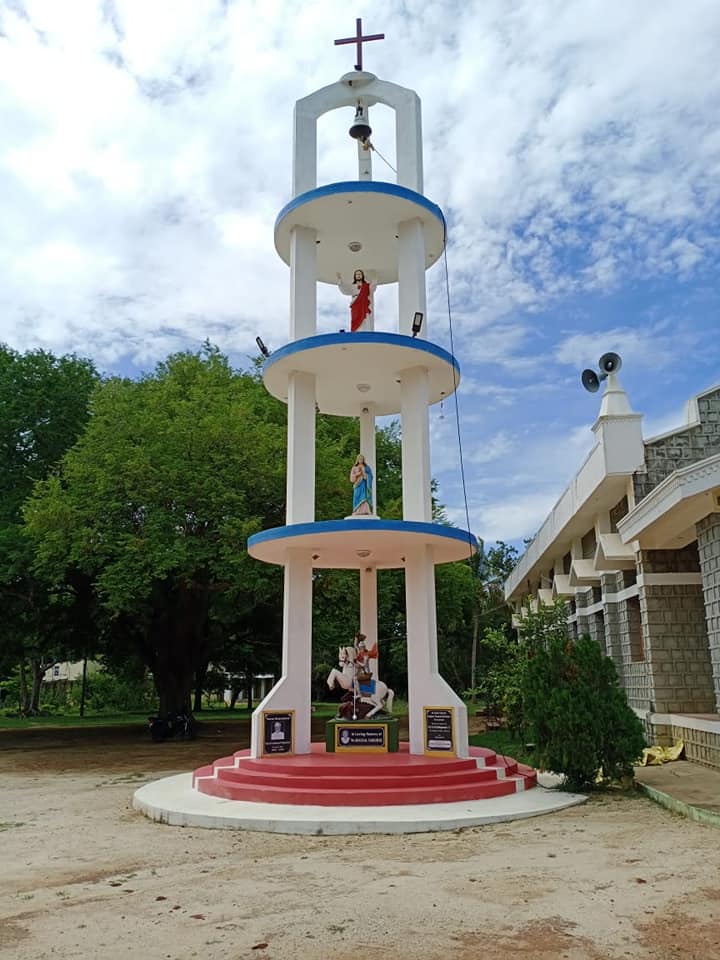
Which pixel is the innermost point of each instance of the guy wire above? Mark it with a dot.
(455, 396)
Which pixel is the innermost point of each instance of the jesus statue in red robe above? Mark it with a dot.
(361, 303)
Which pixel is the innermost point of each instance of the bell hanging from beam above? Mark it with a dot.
(360, 129)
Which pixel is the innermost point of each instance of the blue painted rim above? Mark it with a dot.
(364, 186)
(348, 526)
(332, 339)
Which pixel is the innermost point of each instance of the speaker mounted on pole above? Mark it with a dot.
(591, 381)
(609, 363)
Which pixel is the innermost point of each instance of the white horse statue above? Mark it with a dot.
(381, 697)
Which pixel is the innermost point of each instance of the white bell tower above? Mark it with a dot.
(394, 233)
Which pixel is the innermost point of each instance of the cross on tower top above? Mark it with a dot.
(359, 39)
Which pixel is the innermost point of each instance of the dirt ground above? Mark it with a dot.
(83, 875)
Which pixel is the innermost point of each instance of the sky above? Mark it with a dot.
(574, 147)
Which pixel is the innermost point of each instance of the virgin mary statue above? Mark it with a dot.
(362, 480)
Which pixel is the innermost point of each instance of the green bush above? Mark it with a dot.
(106, 692)
(574, 709)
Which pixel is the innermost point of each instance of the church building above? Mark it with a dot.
(633, 548)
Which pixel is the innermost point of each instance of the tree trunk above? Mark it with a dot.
(200, 675)
(174, 685)
(38, 671)
(83, 687)
(24, 704)
(174, 645)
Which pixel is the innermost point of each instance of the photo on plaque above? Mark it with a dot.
(278, 732)
(439, 730)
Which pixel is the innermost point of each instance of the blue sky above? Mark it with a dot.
(574, 147)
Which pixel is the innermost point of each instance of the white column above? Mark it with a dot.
(367, 444)
(411, 276)
(414, 398)
(303, 285)
(304, 149)
(292, 691)
(408, 137)
(364, 162)
(368, 609)
(301, 449)
(426, 688)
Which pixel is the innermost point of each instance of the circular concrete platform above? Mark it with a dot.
(356, 543)
(354, 370)
(365, 214)
(173, 801)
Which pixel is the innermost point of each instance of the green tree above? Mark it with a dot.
(44, 406)
(155, 504)
(490, 620)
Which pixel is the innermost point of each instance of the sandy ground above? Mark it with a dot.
(83, 875)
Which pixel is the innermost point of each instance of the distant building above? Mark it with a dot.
(66, 671)
(262, 684)
(633, 546)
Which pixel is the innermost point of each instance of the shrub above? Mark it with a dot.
(574, 708)
(106, 692)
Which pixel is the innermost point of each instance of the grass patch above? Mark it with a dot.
(71, 720)
(99, 719)
(503, 742)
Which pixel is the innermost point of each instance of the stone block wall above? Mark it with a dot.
(686, 560)
(677, 648)
(582, 600)
(596, 629)
(681, 448)
(611, 583)
(708, 531)
(636, 677)
(658, 734)
(701, 746)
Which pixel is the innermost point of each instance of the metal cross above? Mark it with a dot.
(359, 39)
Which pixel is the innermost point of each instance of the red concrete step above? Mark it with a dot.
(330, 779)
(327, 797)
(343, 765)
(354, 767)
(244, 773)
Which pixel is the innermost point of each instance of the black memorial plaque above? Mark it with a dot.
(439, 730)
(278, 733)
(356, 737)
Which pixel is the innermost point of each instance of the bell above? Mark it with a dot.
(360, 129)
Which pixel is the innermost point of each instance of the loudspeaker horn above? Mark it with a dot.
(610, 362)
(590, 381)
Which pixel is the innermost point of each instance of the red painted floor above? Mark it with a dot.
(392, 779)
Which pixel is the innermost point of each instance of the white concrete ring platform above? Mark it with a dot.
(355, 370)
(360, 542)
(368, 212)
(173, 801)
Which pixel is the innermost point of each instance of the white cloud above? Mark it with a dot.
(146, 151)
(557, 135)
(654, 346)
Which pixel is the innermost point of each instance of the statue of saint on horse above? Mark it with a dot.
(365, 696)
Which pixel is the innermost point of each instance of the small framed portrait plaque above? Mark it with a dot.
(278, 732)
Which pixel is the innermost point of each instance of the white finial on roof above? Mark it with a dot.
(615, 402)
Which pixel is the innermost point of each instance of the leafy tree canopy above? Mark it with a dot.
(44, 405)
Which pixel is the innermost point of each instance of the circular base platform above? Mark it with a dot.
(173, 801)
